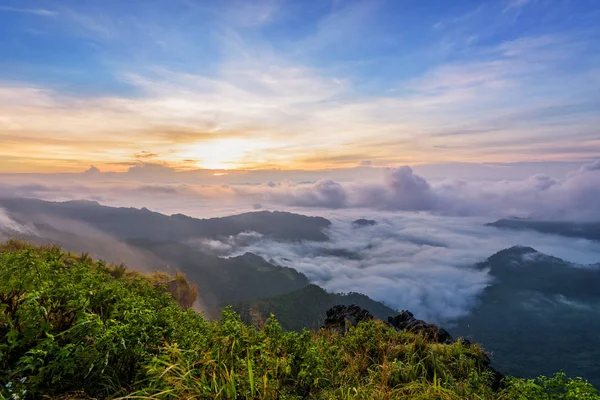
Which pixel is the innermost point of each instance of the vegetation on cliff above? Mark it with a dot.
(74, 328)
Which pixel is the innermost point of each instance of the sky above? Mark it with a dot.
(337, 85)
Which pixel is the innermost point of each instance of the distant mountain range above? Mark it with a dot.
(133, 223)
(586, 230)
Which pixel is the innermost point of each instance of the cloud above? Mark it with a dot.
(36, 11)
(9, 227)
(144, 155)
(407, 191)
(401, 189)
(517, 4)
(324, 193)
(594, 166)
(573, 197)
(412, 261)
(252, 14)
(224, 247)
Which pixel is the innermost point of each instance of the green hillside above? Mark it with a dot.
(74, 328)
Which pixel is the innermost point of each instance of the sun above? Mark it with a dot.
(224, 153)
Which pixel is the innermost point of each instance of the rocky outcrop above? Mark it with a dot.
(340, 318)
(405, 320)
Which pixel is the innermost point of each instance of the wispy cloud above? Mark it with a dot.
(36, 11)
(518, 4)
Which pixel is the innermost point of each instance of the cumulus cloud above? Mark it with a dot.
(324, 193)
(573, 197)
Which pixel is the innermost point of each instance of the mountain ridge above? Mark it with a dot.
(134, 223)
(584, 230)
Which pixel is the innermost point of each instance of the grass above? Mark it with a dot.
(75, 328)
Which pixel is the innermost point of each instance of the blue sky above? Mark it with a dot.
(252, 84)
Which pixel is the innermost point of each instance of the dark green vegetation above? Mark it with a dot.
(72, 328)
(541, 314)
(306, 308)
(586, 230)
(133, 223)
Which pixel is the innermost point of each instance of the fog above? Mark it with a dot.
(10, 227)
(415, 261)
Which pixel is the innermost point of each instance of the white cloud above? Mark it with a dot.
(413, 261)
(36, 11)
(573, 197)
(518, 4)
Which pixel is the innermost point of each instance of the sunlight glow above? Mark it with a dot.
(224, 153)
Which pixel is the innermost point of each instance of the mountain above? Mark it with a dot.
(133, 223)
(305, 308)
(541, 314)
(585, 230)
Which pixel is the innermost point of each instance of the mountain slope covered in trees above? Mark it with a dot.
(540, 314)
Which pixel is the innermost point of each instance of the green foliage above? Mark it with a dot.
(74, 328)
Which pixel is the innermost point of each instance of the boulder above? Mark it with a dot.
(341, 317)
(405, 320)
